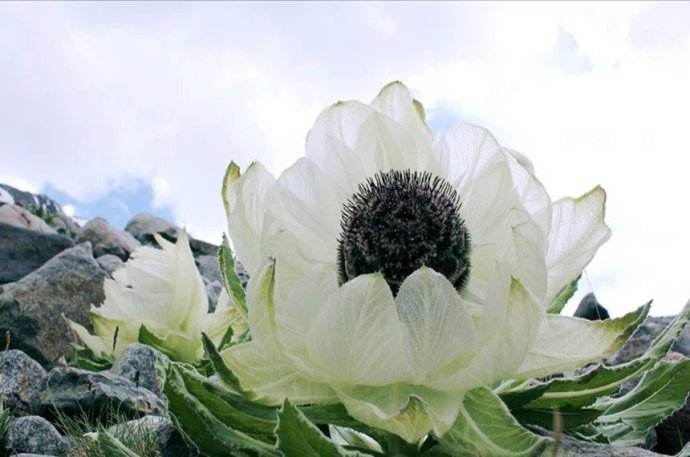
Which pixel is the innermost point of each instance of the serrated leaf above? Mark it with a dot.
(560, 300)
(151, 339)
(233, 285)
(112, 447)
(298, 437)
(664, 341)
(206, 431)
(224, 373)
(485, 427)
(662, 390)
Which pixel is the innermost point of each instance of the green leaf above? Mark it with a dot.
(298, 437)
(228, 407)
(202, 427)
(226, 340)
(112, 447)
(662, 390)
(565, 294)
(569, 418)
(485, 427)
(664, 341)
(150, 339)
(224, 373)
(83, 357)
(233, 284)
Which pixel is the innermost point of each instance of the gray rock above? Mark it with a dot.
(590, 309)
(170, 442)
(20, 217)
(143, 226)
(31, 308)
(110, 263)
(209, 268)
(27, 200)
(106, 239)
(144, 366)
(20, 381)
(75, 391)
(643, 337)
(65, 225)
(32, 455)
(213, 290)
(242, 273)
(23, 250)
(34, 434)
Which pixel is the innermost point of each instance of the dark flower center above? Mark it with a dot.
(399, 221)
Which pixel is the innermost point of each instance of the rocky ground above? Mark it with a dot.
(50, 267)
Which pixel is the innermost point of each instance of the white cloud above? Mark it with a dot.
(97, 95)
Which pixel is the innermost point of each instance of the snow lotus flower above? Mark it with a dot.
(161, 290)
(393, 269)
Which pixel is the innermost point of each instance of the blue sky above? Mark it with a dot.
(115, 108)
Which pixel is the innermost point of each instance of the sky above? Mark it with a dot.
(116, 108)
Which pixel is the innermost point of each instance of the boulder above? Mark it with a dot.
(209, 268)
(590, 309)
(74, 391)
(23, 250)
(20, 381)
(106, 239)
(143, 226)
(110, 263)
(144, 366)
(20, 217)
(170, 441)
(213, 290)
(35, 435)
(31, 308)
(643, 337)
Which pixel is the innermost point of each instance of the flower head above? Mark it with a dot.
(393, 269)
(162, 290)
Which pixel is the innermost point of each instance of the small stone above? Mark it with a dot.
(170, 442)
(106, 239)
(590, 309)
(34, 434)
(642, 338)
(31, 308)
(23, 250)
(75, 391)
(20, 217)
(110, 263)
(144, 366)
(20, 381)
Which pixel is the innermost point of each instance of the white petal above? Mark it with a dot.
(309, 205)
(438, 329)
(357, 337)
(93, 342)
(505, 349)
(465, 150)
(565, 343)
(395, 101)
(577, 231)
(530, 190)
(270, 379)
(246, 208)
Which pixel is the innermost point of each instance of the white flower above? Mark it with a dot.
(162, 290)
(393, 270)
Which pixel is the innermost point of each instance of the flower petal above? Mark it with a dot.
(554, 351)
(577, 231)
(504, 350)
(357, 337)
(93, 342)
(530, 190)
(245, 202)
(270, 379)
(438, 329)
(309, 205)
(389, 408)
